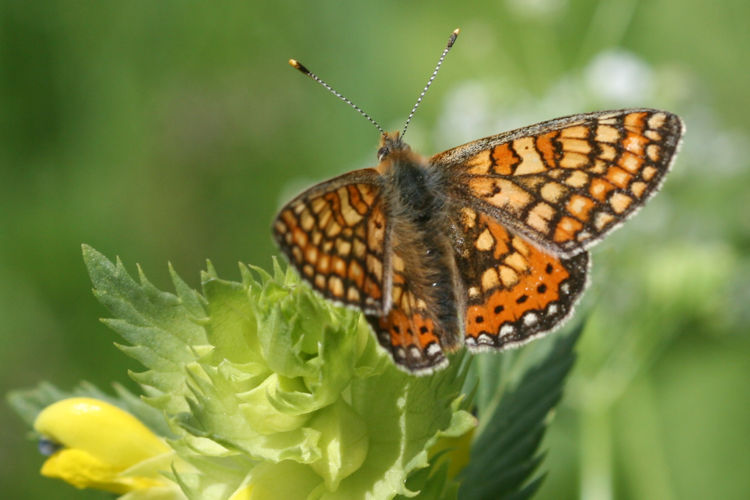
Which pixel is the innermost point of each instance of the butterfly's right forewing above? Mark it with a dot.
(564, 184)
(335, 235)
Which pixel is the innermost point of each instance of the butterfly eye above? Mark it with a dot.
(383, 152)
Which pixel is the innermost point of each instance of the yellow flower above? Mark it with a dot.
(102, 447)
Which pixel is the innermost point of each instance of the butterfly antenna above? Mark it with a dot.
(451, 41)
(296, 64)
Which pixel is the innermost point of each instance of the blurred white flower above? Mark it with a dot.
(466, 113)
(720, 151)
(620, 77)
(477, 108)
(536, 8)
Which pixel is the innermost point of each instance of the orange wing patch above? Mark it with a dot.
(566, 183)
(408, 333)
(334, 234)
(514, 291)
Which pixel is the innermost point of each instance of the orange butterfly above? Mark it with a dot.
(483, 245)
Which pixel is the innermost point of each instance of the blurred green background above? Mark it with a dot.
(173, 130)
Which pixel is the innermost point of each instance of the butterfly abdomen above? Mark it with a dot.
(416, 206)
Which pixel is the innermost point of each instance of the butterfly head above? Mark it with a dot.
(391, 146)
(392, 151)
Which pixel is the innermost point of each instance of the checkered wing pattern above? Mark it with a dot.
(565, 183)
(334, 234)
(407, 331)
(514, 291)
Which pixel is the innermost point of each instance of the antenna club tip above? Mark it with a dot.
(453, 37)
(297, 65)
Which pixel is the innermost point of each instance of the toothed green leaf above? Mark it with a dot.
(265, 373)
(513, 417)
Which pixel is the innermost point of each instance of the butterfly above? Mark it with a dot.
(484, 245)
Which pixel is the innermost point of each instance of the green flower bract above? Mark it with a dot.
(263, 381)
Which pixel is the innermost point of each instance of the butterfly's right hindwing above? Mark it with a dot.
(513, 291)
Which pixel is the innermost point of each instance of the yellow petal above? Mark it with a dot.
(83, 470)
(105, 432)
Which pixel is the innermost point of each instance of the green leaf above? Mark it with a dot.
(513, 416)
(264, 375)
(405, 416)
(161, 327)
(433, 483)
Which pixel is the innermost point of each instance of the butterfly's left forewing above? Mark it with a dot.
(564, 184)
(335, 235)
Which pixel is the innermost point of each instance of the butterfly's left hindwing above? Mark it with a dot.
(334, 234)
(407, 331)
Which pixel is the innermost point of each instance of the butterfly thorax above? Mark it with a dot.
(416, 206)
